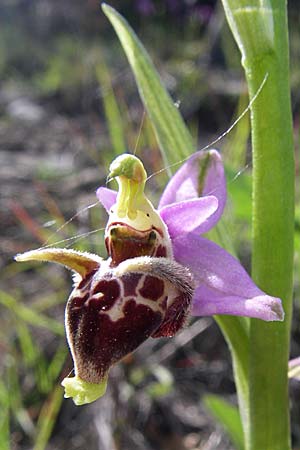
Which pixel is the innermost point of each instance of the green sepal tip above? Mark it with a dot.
(83, 392)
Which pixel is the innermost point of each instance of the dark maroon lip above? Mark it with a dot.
(125, 225)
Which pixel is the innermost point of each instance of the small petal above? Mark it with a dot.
(223, 285)
(107, 197)
(201, 175)
(81, 262)
(190, 215)
(208, 302)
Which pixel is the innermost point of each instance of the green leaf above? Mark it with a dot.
(47, 418)
(235, 147)
(4, 417)
(228, 416)
(164, 383)
(29, 315)
(57, 363)
(172, 134)
(111, 110)
(239, 192)
(30, 351)
(14, 389)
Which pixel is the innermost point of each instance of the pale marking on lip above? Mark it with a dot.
(80, 293)
(116, 313)
(125, 225)
(97, 296)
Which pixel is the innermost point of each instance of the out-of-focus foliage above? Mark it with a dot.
(228, 415)
(51, 53)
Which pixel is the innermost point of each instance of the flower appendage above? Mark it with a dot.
(158, 271)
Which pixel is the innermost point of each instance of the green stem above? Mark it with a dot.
(260, 29)
(273, 229)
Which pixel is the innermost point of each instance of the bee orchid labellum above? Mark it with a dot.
(159, 268)
(118, 303)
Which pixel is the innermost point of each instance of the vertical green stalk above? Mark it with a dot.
(260, 29)
(273, 230)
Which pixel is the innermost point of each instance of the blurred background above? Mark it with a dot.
(68, 106)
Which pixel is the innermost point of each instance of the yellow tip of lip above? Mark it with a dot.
(83, 392)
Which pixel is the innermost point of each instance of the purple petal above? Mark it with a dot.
(190, 215)
(201, 175)
(107, 197)
(223, 285)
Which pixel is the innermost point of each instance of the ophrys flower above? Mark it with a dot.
(158, 266)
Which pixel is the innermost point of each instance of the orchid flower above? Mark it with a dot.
(159, 270)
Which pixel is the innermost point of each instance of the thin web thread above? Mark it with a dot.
(215, 141)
